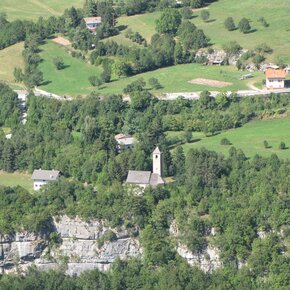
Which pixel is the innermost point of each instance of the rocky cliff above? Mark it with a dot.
(81, 246)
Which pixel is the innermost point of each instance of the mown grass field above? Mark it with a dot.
(15, 179)
(10, 58)
(276, 13)
(32, 9)
(249, 138)
(73, 80)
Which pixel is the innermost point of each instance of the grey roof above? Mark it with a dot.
(144, 177)
(138, 177)
(156, 179)
(47, 175)
(157, 151)
(126, 141)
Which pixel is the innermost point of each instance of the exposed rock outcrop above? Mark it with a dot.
(78, 250)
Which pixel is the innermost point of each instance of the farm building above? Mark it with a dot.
(41, 177)
(125, 141)
(148, 178)
(275, 78)
(93, 22)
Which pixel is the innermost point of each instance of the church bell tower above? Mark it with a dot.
(157, 161)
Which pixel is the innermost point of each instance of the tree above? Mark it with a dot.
(225, 141)
(169, 21)
(229, 24)
(58, 63)
(204, 15)
(188, 135)
(95, 81)
(231, 48)
(244, 25)
(266, 144)
(186, 12)
(154, 83)
(121, 68)
(18, 74)
(282, 146)
(106, 74)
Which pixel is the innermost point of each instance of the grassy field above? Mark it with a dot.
(73, 80)
(249, 138)
(276, 13)
(32, 9)
(10, 58)
(14, 179)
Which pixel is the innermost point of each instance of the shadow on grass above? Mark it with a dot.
(45, 83)
(122, 27)
(211, 20)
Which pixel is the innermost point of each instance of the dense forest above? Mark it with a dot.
(237, 197)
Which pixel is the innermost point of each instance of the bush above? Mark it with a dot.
(231, 48)
(204, 15)
(95, 81)
(225, 141)
(266, 144)
(58, 62)
(244, 25)
(229, 24)
(186, 12)
(282, 146)
(154, 83)
(263, 22)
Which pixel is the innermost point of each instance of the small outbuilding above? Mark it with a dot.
(41, 177)
(92, 23)
(125, 141)
(275, 78)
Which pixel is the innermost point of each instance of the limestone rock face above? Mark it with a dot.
(207, 261)
(77, 251)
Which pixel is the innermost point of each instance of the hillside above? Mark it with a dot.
(32, 9)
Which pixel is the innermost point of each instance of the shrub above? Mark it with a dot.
(229, 24)
(231, 48)
(154, 83)
(282, 146)
(225, 141)
(204, 15)
(186, 12)
(266, 144)
(244, 25)
(95, 81)
(263, 22)
(58, 62)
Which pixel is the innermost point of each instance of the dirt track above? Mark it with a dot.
(211, 83)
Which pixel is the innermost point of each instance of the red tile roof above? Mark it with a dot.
(275, 73)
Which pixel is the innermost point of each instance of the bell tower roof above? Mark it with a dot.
(157, 151)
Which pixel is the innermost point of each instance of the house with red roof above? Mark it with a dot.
(275, 78)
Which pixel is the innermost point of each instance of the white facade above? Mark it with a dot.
(275, 83)
(37, 184)
(157, 161)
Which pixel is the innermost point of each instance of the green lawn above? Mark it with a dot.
(73, 80)
(32, 9)
(10, 58)
(14, 179)
(276, 13)
(249, 138)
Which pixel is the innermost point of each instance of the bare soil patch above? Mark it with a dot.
(211, 83)
(61, 40)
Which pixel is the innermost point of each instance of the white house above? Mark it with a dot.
(148, 178)
(275, 78)
(92, 23)
(41, 177)
(125, 141)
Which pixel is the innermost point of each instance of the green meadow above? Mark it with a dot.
(73, 80)
(32, 9)
(250, 138)
(16, 179)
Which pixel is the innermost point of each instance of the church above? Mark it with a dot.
(148, 178)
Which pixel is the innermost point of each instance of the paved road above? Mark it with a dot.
(242, 94)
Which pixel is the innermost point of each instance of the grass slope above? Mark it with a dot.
(32, 9)
(10, 58)
(73, 80)
(14, 179)
(276, 13)
(249, 138)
